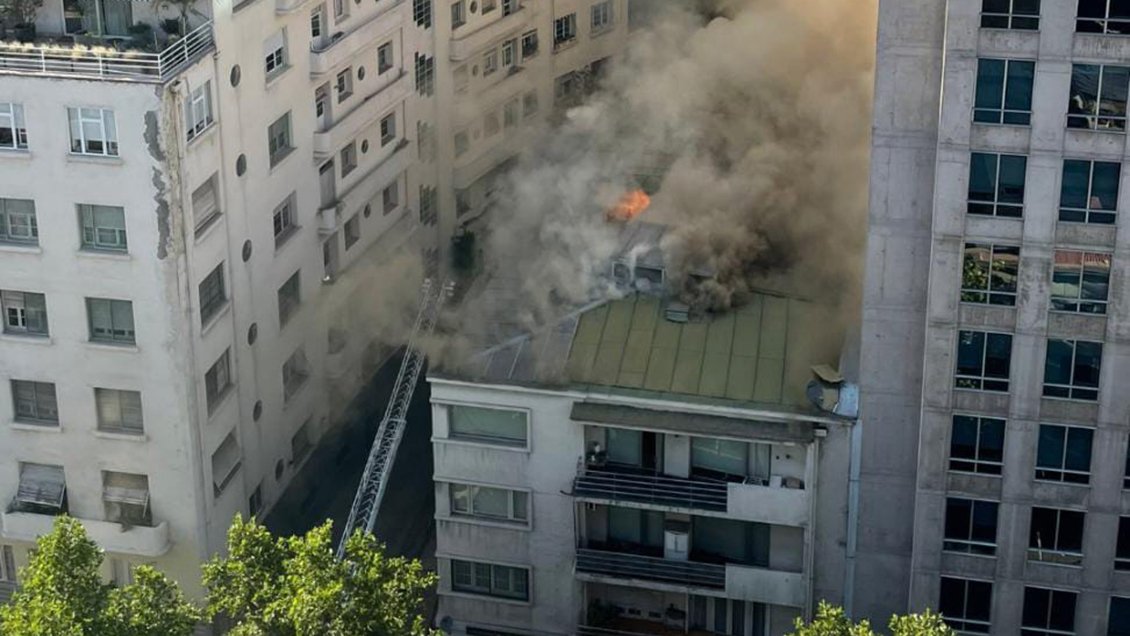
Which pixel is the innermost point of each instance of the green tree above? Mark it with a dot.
(296, 586)
(831, 621)
(62, 594)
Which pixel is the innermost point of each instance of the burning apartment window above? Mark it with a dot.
(1103, 16)
(119, 411)
(1064, 454)
(1071, 369)
(13, 130)
(1010, 14)
(35, 403)
(18, 223)
(971, 526)
(384, 58)
(290, 298)
(1080, 281)
(206, 203)
(984, 360)
(93, 131)
(422, 13)
(283, 220)
(977, 445)
(989, 274)
(1098, 97)
(25, 313)
(126, 498)
(217, 381)
(1004, 92)
(425, 75)
(996, 184)
(226, 462)
(1089, 192)
(198, 110)
(529, 45)
(564, 30)
(295, 372)
(965, 605)
(1056, 535)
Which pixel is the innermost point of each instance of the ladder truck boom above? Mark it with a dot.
(374, 479)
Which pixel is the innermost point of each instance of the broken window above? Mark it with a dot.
(126, 498)
(1047, 612)
(965, 605)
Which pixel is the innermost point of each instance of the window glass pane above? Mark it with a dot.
(461, 498)
(1012, 173)
(492, 502)
(497, 424)
(1057, 370)
(982, 176)
(990, 83)
(963, 442)
(998, 353)
(1062, 611)
(1096, 276)
(1073, 192)
(1078, 449)
(721, 455)
(958, 515)
(1104, 187)
(1088, 359)
(521, 509)
(1119, 620)
(970, 352)
(984, 522)
(1049, 453)
(1018, 92)
(625, 446)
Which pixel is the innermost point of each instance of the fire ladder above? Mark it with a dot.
(367, 501)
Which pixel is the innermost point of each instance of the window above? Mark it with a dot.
(352, 231)
(510, 6)
(493, 426)
(458, 14)
(255, 501)
(300, 443)
(390, 197)
(489, 503)
(212, 294)
(971, 526)
(529, 45)
(35, 402)
(1004, 92)
(1056, 536)
(25, 313)
(1126, 471)
(226, 462)
(1010, 14)
(1098, 96)
(284, 221)
(568, 88)
(422, 13)
(510, 114)
(341, 10)
(1080, 281)
(126, 498)
(93, 131)
(198, 110)
(426, 141)
(1089, 193)
(344, 84)
(491, 125)
(317, 17)
(490, 62)
(119, 411)
(348, 159)
(488, 6)
(462, 143)
(965, 604)
(17, 222)
(217, 381)
(983, 360)
(509, 53)
(7, 564)
(564, 29)
(1122, 548)
(425, 74)
(989, 274)
(996, 184)
(205, 204)
(1118, 620)
(428, 213)
(13, 130)
(42, 489)
(977, 444)
(278, 139)
(103, 227)
(388, 128)
(490, 580)
(530, 104)
(274, 53)
(110, 320)
(1064, 454)
(601, 15)
(384, 57)
(295, 372)
(461, 78)
(1047, 612)
(289, 298)
(1071, 369)
(1103, 16)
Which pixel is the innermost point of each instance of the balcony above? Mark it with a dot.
(763, 585)
(72, 60)
(463, 47)
(768, 504)
(348, 127)
(110, 536)
(343, 47)
(635, 567)
(611, 485)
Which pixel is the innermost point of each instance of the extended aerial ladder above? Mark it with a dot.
(374, 479)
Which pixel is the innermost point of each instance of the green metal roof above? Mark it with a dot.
(761, 352)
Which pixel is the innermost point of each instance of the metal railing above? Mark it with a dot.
(635, 566)
(77, 60)
(649, 488)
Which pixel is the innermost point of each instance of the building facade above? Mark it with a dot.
(193, 201)
(994, 329)
(677, 481)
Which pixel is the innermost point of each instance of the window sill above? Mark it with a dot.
(282, 239)
(125, 437)
(27, 338)
(564, 45)
(1071, 400)
(278, 159)
(21, 248)
(207, 132)
(113, 255)
(343, 97)
(477, 521)
(1053, 482)
(976, 555)
(16, 153)
(221, 399)
(18, 425)
(275, 74)
(113, 346)
(106, 160)
(462, 441)
(485, 597)
(604, 30)
(215, 318)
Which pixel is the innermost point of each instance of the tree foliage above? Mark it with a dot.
(62, 594)
(295, 586)
(831, 621)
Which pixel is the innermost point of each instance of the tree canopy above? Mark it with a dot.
(832, 621)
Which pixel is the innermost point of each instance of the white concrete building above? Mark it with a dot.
(994, 466)
(625, 473)
(182, 200)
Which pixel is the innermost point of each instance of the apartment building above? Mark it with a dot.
(994, 460)
(630, 471)
(192, 196)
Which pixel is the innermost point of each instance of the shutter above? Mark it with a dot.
(41, 484)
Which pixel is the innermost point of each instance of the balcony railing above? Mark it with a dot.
(106, 63)
(650, 488)
(633, 566)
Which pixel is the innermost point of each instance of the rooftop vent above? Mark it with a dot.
(677, 312)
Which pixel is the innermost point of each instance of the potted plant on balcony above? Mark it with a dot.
(20, 14)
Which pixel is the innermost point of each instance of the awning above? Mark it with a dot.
(692, 423)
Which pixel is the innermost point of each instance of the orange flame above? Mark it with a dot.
(631, 205)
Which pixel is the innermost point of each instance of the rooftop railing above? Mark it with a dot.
(105, 63)
(649, 488)
(636, 566)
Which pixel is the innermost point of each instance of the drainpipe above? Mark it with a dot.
(810, 532)
(852, 516)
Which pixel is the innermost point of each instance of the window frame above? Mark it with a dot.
(603, 10)
(388, 129)
(198, 114)
(491, 588)
(390, 202)
(967, 544)
(214, 391)
(1056, 554)
(422, 13)
(1122, 545)
(343, 84)
(295, 373)
(964, 624)
(981, 381)
(458, 13)
(1104, 23)
(997, 206)
(32, 317)
(1060, 473)
(91, 234)
(1091, 215)
(348, 158)
(289, 307)
(283, 220)
(1072, 390)
(1011, 17)
(30, 221)
(275, 60)
(1051, 611)
(79, 117)
(351, 231)
(1002, 115)
(217, 296)
(502, 442)
(44, 403)
(992, 467)
(12, 119)
(564, 30)
(114, 306)
(1092, 118)
(124, 426)
(204, 217)
(471, 490)
(1077, 304)
(280, 140)
(529, 44)
(991, 294)
(385, 58)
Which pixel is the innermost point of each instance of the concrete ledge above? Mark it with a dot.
(110, 536)
(762, 585)
(781, 506)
